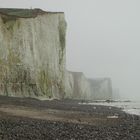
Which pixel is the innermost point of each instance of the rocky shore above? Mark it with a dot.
(31, 119)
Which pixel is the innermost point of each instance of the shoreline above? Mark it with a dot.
(63, 120)
(130, 107)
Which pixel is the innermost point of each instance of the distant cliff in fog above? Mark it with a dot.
(101, 89)
(80, 87)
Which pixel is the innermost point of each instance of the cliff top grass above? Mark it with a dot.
(23, 13)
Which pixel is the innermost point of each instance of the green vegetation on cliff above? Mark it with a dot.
(27, 13)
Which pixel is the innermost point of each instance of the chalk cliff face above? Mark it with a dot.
(32, 53)
(101, 89)
(32, 58)
(80, 87)
(69, 85)
(77, 86)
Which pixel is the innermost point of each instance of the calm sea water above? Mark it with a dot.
(132, 107)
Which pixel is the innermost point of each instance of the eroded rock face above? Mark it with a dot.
(80, 87)
(101, 89)
(69, 85)
(32, 53)
(77, 86)
(32, 58)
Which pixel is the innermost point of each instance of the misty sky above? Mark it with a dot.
(103, 38)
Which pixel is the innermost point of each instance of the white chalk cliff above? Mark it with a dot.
(32, 53)
(100, 89)
(77, 86)
(32, 58)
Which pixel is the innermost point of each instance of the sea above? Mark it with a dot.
(130, 107)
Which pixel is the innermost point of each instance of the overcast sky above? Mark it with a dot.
(103, 38)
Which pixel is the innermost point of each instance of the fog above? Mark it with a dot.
(103, 38)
